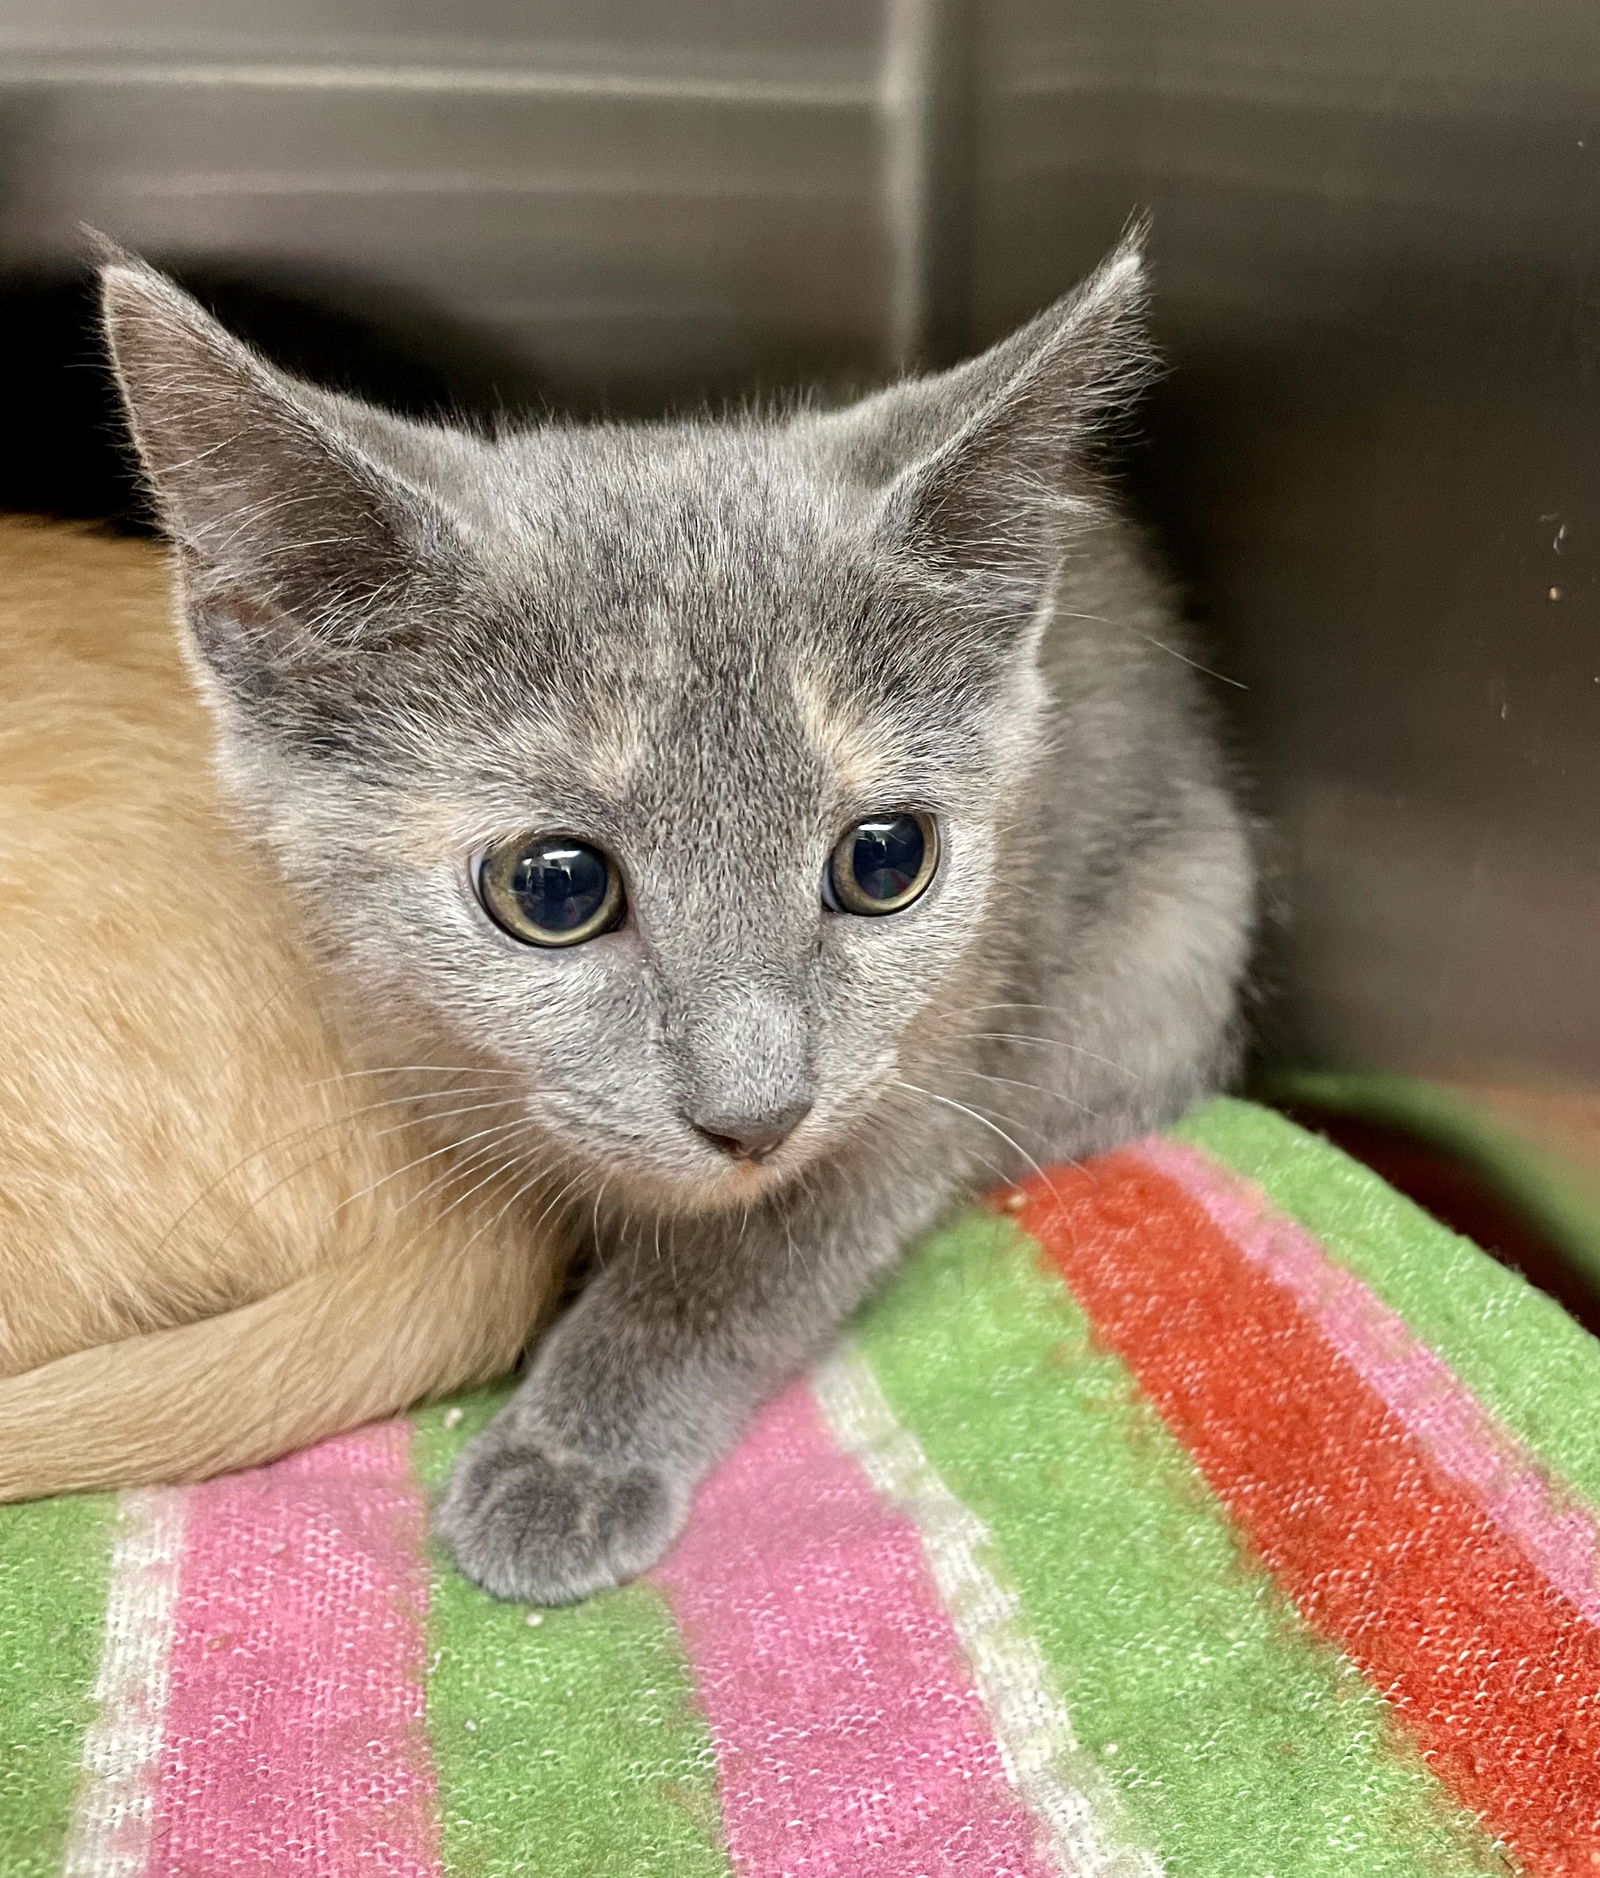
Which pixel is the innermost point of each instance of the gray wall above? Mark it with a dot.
(640, 195)
(1377, 244)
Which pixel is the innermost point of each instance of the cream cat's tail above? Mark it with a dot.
(343, 1345)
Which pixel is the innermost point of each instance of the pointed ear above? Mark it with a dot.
(290, 536)
(978, 465)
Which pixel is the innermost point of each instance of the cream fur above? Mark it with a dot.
(208, 1255)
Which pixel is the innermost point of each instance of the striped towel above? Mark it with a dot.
(1206, 1511)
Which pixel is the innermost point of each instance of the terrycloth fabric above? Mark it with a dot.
(1207, 1511)
(1544, 1174)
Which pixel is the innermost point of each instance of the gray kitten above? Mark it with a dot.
(804, 817)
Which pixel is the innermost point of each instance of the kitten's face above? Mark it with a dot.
(705, 673)
(673, 667)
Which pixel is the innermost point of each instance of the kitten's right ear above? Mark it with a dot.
(978, 466)
(289, 535)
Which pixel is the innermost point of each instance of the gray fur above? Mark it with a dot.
(710, 648)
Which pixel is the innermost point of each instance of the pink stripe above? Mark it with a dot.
(294, 1737)
(849, 1737)
(1557, 1535)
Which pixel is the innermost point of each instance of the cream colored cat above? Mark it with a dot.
(221, 1236)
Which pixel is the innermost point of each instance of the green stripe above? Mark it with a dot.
(53, 1581)
(570, 1749)
(1553, 1194)
(1244, 1746)
(1526, 1360)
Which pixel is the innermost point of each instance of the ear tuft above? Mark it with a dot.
(102, 250)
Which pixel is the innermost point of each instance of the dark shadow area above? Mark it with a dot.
(1458, 1195)
(67, 452)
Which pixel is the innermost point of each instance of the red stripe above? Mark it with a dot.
(1488, 1667)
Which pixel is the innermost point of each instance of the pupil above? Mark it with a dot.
(887, 856)
(560, 885)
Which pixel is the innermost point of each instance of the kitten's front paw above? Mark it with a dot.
(539, 1525)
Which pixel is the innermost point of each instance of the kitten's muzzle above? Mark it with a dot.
(750, 1137)
(741, 1050)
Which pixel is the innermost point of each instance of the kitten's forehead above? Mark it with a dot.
(688, 617)
(669, 725)
(691, 535)
(659, 591)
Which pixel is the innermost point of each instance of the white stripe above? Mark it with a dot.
(114, 1814)
(1062, 1785)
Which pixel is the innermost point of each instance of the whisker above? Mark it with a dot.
(1013, 1036)
(961, 1108)
(594, 1212)
(266, 1193)
(492, 1136)
(478, 1231)
(520, 1192)
(983, 1156)
(1055, 1043)
(409, 1069)
(1052, 1095)
(1099, 619)
(443, 1115)
(556, 1199)
(305, 1133)
(493, 1174)
(421, 1160)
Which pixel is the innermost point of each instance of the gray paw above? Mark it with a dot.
(540, 1525)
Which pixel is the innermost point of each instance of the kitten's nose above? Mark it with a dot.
(750, 1137)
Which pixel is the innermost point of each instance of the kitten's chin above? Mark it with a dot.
(714, 1190)
(701, 1186)
(686, 1178)
(703, 1182)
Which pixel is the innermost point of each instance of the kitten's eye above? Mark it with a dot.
(882, 865)
(549, 890)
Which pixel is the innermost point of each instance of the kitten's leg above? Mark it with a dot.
(584, 1478)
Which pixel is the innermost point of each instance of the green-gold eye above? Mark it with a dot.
(549, 890)
(882, 864)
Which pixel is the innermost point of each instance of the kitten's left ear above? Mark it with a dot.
(977, 465)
